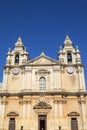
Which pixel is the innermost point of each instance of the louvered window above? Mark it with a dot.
(69, 57)
(16, 58)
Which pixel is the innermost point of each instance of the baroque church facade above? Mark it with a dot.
(43, 93)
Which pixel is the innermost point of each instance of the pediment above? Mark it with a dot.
(42, 60)
(73, 114)
(12, 114)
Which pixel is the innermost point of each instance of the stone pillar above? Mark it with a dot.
(55, 108)
(59, 78)
(23, 80)
(28, 74)
(28, 109)
(83, 113)
(29, 83)
(24, 109)
(80, 78)
(3, 103)
(60, 109)
(83, 79)
(5, 79)
(55, 78)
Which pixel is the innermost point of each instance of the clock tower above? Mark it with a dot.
(73, 69)
(16, 59)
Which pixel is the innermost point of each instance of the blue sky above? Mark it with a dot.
(43, 24)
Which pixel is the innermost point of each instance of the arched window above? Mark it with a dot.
(42, 83)
(74, 124)
(69, 57)
(16, 58)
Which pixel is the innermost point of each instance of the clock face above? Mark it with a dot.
(70, 69)
(15, 70)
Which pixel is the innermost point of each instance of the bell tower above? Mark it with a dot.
(68, 54)
(18, 56)
(73, 69)
(14, 62)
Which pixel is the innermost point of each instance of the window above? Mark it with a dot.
(17, 58)
(42, 83)
(69, 57)
(74, 124)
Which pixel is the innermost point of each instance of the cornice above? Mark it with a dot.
(52, 93)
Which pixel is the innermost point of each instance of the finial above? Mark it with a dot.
(67, 41)
(67, 37)
(25, 48)
(77, 49)
(19, 39)
(19, 42)
(42, 53)
(76, 46)
(60, 47)
(9, 50)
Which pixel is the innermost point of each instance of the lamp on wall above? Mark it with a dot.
(59, 127)
(21, 127)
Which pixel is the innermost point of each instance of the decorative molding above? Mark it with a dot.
(42, 72)
(42, 105)
(7, 72)
(4, 102)
(58, 101)
(26, 71)
(21, 102)
(79, 71)
(83, 101)
(73, 114)
(12, 114)
(58, 69)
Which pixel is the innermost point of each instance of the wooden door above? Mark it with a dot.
(12, 124)
(42, 122)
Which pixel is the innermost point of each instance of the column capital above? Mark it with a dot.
(21, 102)
(82, 101)
(4, 102)
(60, 101)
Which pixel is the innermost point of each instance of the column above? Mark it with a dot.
(83, 79)
(29, 109)
(28, 77)
(59, 78)
(83, 113)
(55, 108)
(24, 109)
(55, 70)
(3, 102)
(5, 79)
(60, 109)
(29, 83)
(23, 80)
(80, 78)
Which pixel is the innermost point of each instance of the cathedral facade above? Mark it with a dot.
(43, 93)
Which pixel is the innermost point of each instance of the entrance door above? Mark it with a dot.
(12, 124)
(74, 124)
(42, 122)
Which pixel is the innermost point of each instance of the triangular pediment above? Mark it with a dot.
(42, 60)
